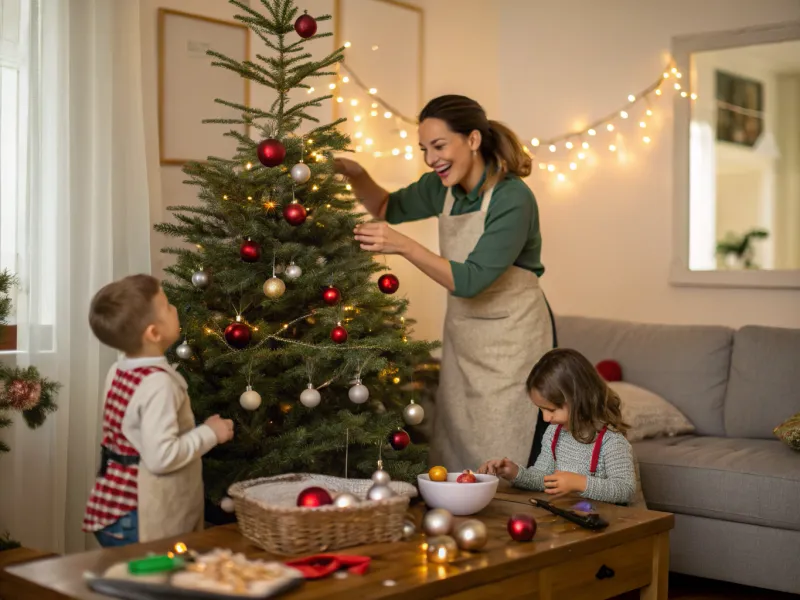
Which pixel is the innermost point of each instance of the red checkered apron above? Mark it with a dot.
(115, 490)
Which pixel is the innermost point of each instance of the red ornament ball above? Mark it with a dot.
(295, 213)
(339, 334)
(609, 370)
(237, 335)
(250, 251)
(388, 283)
(521, 527)
(271, 152)
(313, 497)
(305, 25)
(331, 296)
(399, 439)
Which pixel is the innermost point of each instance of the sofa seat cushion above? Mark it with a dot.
(733, 479)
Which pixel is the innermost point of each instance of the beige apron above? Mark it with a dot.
(172, 504)
(491, 343)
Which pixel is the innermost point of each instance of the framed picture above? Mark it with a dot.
(188, 84)
(740, 109)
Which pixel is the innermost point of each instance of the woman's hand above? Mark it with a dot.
(563, 483)
(502, 468)
(348, 168)
(379, 237)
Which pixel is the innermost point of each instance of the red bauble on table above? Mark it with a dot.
(609, 370)
(331, 296)
(271, 152)
(339, 334)
(237, 335)
(314, 497)
(388, 283)
(521, 527)
(250, 251)
(305, 25)
(399, 439)
(295, 213)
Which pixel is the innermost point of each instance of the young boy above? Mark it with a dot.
(150, 483)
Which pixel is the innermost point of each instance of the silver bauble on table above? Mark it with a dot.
(200, 279)
(301, 173)
(310, 397)
(359, 393)
(437, 521)
(274, 288)
(250, 399)
(413, 414)
(471, 535)
(409, 529)
(380, 492)
(345, 500)
(184, 351)
(293, 272)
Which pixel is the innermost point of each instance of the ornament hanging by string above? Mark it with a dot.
(300, 172)
(310, 397)
(294, 212)
(250, 399)
(388, 283)
(331, 296)
(271, 152)
(380, 489)
(339, 334)
(250, 251)
(358, 393)
(399, 440)
(305, 25)
(345, 499)
(293, 271)
(200, 279)
(237, 334)
(413, 414)
(184, 351)
(274, 287)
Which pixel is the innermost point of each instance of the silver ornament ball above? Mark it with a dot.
(471, 535)
(200, 279)
(310, 397)
(409, 530)
(293, 272)
(437, 522)
(274, 288)
(184, 351)
(413, 414)
(250, 400)
(381, 477)
(359, 393)
(380, 492)
(345, 500)
(301, 173)
(227, 505)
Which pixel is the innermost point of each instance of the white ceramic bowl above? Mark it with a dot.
(461, 499)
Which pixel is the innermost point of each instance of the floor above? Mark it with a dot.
(683, 587)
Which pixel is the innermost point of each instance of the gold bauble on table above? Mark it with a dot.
(471, 535)
(274, 288)
(441, 549)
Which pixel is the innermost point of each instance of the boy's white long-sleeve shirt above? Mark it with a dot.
(151, 420)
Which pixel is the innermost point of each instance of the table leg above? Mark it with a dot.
(657, 590)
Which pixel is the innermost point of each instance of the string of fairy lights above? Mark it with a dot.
(556, 156)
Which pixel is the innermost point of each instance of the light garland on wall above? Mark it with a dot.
(556, 156)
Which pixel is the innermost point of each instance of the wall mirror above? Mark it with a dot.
(737, 158)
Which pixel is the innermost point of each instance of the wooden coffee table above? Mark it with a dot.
(563, 562)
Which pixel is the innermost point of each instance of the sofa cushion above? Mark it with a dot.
(647, 414)
(733, 479)
(764, 386)
(684, 364)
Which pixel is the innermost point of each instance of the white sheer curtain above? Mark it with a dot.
(87, 223)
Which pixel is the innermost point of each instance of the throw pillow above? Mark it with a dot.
(789, 432)
(648, 414)
(610, 370)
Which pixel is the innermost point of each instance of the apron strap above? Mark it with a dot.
(449, 200)
(555, 440)
(487, 198)
(598, 445)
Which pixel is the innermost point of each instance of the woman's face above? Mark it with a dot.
(447, 152)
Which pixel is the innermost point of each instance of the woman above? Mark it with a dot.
(497, 323)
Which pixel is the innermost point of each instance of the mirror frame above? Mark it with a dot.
(682, 49)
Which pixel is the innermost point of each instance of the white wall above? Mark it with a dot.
(607, 236)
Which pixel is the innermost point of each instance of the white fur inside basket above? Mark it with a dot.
(283, 490)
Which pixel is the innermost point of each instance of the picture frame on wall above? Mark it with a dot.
(740, 109)
(188, 85)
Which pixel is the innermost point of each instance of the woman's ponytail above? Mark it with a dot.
(508, 153)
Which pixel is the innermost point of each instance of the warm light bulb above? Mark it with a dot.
(658, 92)
(311, 90)
(666, 75)
(387, 114)
(552, 147)
(404, 134)
(250, 198)
(694, 96)
(248, 166)
(368, 141)
(623, 114)
(542, 166)
(332, 86)
(314, 188)
(649, 113)
(678, 75)
(646, 140)
(674, 70)
(610, 127)
(535, 142)
(592, 132)
(357, 118)
(353, 102)
(561, 177)
(373, 90)
(395, 151)
(612, 147)
(358, 135)
(347, 44)
(642, 124)
(359, 148)
(677, 86)
(225, 197)
(409, 149)
(684, 94)
(409, 156)
(631, 98)
(340, 99)
(581, 155)
(573, 166)
(585, 145)
(374, 105)
(569, 145)
(348, 187)
(373, 113)
(551, 168)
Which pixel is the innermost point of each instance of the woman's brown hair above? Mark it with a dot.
(500, 147)
(565, 376)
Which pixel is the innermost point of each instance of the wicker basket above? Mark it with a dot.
(268, 516)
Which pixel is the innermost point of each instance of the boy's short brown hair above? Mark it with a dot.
(122, 310)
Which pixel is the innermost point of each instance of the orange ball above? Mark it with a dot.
(438, 474)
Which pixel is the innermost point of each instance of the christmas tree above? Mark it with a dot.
(284, 328)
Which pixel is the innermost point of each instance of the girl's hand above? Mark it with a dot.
(379, 237)
(348, 168)
(502, 468)
(563, 483)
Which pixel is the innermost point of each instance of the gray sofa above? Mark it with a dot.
(733, 487)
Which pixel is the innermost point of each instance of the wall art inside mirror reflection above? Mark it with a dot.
(745, 158)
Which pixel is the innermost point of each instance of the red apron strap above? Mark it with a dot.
(598, 444)
(555, 440)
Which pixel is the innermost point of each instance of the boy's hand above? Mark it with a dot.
(222, 428)
(563, 483)
(502, 468)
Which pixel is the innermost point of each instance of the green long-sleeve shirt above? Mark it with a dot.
(511, 233)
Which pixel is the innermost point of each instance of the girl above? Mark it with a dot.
(584, 449)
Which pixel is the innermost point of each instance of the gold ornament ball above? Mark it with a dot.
(274, 288)
(471, 535)
(437, 521)
(442, 549)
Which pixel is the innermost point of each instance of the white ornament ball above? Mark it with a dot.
(437, 521)
(293, 272)
(310, 397)
(250, 400)
(381, 477)
(200, 279)
(409, 529)
(413, 414)
(184, 351)
(345, 500)
(301, 173)
(380, 492)
(227, 505)
(359, 393)
(274, 288)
